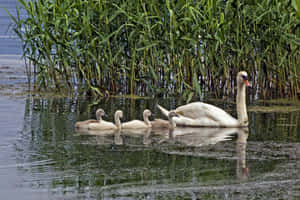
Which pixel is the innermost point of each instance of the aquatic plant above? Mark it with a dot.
(161, 47)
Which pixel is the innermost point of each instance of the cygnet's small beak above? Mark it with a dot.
(176, 115)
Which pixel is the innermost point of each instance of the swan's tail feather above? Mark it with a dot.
(163, 110)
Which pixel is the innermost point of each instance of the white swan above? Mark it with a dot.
(104, 125)
(138, 124)
(200, 114)
(164, 124)
(84, 124)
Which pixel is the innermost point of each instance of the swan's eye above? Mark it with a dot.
(245, 77)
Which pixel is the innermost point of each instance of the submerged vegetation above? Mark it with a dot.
(161, 47)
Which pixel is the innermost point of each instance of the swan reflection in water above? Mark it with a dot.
(118, 140)
(188, 136)
(102, 137)
(146, 133)
(242, 170)
(199, 136)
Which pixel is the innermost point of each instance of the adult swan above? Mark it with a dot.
(205, 115)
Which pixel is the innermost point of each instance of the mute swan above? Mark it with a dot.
(104, 125)
(205, 115)
(165, 124)
(138, 124)
(84, 124)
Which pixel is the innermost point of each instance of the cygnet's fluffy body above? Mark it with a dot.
(138, 124)
(165, 124)
(105, 125)
(85, 124)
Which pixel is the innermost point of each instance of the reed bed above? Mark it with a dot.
(164, 48)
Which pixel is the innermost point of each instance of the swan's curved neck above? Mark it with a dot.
(146, 119)
(117, 121)
(241, 105)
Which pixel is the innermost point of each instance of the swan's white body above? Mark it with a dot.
(199, 114)
(104, 125)
(138, 124)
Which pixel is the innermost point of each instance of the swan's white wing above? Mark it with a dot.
(199, 109)
(203, 114)
(163, 110)
(186, 121)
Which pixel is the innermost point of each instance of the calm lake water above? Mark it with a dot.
(44, 157)
(10, 44)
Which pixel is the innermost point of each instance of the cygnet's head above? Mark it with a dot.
(147, 112)
(99, 113)
(119, 114)
(172, 114)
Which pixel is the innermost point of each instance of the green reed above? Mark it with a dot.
(162, 47)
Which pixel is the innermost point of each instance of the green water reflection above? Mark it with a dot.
(90, 166)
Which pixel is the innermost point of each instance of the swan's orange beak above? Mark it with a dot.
(247, 83)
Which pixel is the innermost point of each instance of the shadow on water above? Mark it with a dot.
(185, 163)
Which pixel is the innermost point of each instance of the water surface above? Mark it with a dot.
(46, 157)
(10, 43)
